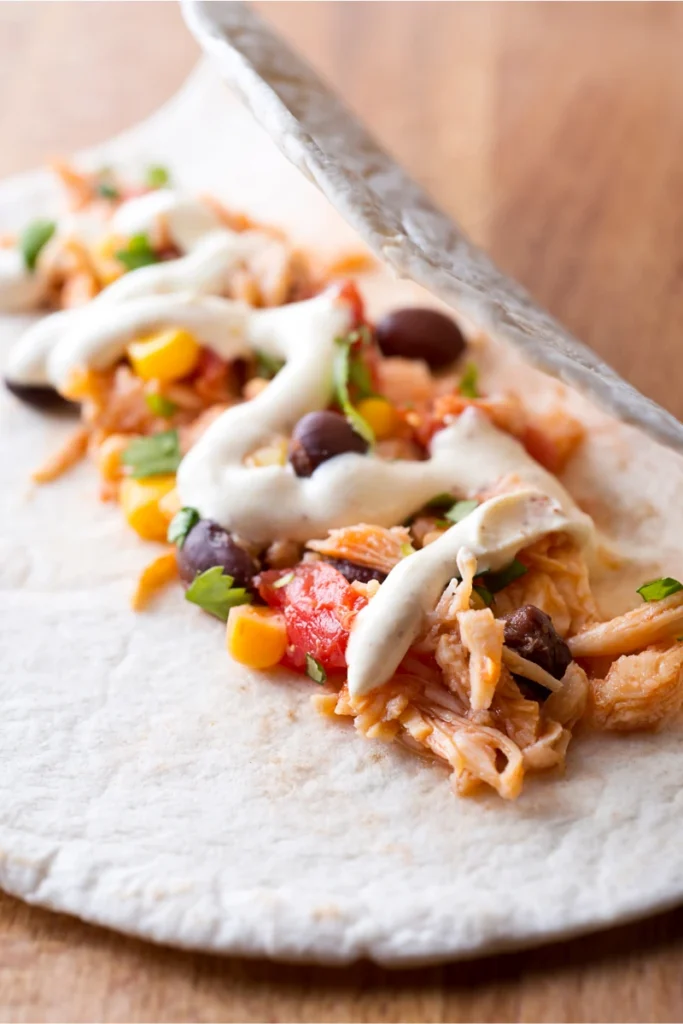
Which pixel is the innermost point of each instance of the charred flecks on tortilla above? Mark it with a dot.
(342, 493)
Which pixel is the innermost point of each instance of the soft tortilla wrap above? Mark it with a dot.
(151, 785)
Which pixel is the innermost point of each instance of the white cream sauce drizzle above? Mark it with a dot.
(212, 252)
(266, 503)
(494, 533)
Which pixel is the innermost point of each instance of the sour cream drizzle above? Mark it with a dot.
(384, 630)
(266, 503)
(212, 252)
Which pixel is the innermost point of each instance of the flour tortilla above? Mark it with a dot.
(151, 785)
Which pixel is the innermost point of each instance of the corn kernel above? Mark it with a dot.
(140, 501)
(381, 416)
(170, 504)
(256, 637)
(165, 356)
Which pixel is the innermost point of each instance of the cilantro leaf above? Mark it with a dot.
(33, 238)
(159, 405)
(484, 593)
(314, 670)
(157, 176)
(153, 456)
(657, 590)
(440, 501)
(496, 581)
(468, 382)
(268, 366)
(214, 592)
(138, 254)
(341, 376)
(461, 509)
(181, 524)
(106, 190)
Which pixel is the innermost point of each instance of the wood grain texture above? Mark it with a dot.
(554, 133)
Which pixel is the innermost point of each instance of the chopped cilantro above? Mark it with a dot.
(656, 590)
(214, 592)
(484, 593)
(33, 238)
(106, 190)
(138, 254)
(468, 382)
(314, 670)
(496, 581)
(157, 176)
(443, 501)
(153, 456)
(181, 524)
(461, 509)
(268, 366)
(342, 375)
(158, 405)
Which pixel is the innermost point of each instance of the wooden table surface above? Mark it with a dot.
(554, 133)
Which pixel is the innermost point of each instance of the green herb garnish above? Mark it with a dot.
(657, 590)
(443, 501)
(461, 510)
(181, 524)
(214, 592)
(33, 238)
(484, 593)
(468, 382)
(268, 366)
(283, 581)
(342, 375)
(157, 176)
(106, 190)
(138, 254)
(153, 456)
(158, 405)
(496, 581)
(314, 670)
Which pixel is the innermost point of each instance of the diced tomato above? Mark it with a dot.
(348, 292)
(319, 606)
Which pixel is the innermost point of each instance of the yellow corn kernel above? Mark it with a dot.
(109, 456)
(170, 504)
(256, 637)
(140, 501)
(381, 416)
(165, 356)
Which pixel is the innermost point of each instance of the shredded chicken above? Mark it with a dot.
(482, 637)
(405, 381)
(568, 704)
(374, 546)
(640, 691)
(161, 571)
(649, 623)
(71, 452)
(556, 582)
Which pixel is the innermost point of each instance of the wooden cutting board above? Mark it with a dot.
(554, 133)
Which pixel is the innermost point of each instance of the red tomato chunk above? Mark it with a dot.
(319, 607)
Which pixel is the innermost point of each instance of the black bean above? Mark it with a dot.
(320, 436)
(355, 573)
(421, 334)
(530, 632)
(208, 544)
(39, 395)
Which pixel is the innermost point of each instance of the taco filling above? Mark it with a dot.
(338, 489)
